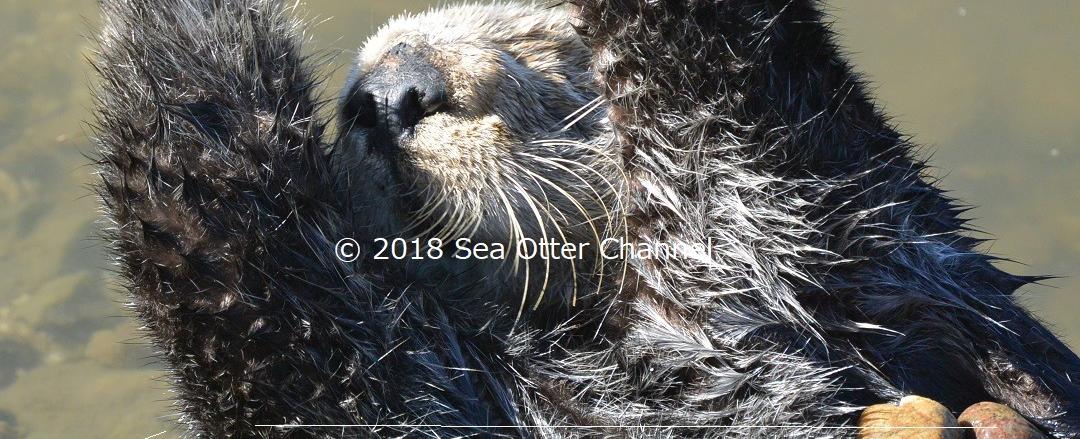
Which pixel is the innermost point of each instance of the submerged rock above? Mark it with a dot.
(15, 356)
(8, 428)
(84, 400)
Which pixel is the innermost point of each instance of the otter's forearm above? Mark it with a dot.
(748, 107)
(211, 179)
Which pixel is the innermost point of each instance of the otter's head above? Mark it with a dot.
(480, 122)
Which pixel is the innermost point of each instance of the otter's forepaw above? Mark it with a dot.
(990, 420)
(914, 418)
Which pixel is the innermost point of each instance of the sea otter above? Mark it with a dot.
(819, 271)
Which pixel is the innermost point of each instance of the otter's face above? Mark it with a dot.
(481, 122)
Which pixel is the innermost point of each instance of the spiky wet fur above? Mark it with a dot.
(842, 278)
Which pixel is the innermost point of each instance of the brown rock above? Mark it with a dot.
(914, 418)
(991, 420)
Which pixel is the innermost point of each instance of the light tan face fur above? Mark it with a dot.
(517, 150)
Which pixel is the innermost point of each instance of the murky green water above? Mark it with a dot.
(990, 87)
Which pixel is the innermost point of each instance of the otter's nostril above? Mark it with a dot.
(420, 101)
(433, 99)
(359, 110)
(411, 109)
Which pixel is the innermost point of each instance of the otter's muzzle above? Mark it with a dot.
(394, 95)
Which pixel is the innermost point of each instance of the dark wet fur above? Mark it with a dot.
(844, 277)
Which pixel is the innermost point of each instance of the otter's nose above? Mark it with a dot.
(404, 102)
(396, 93)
